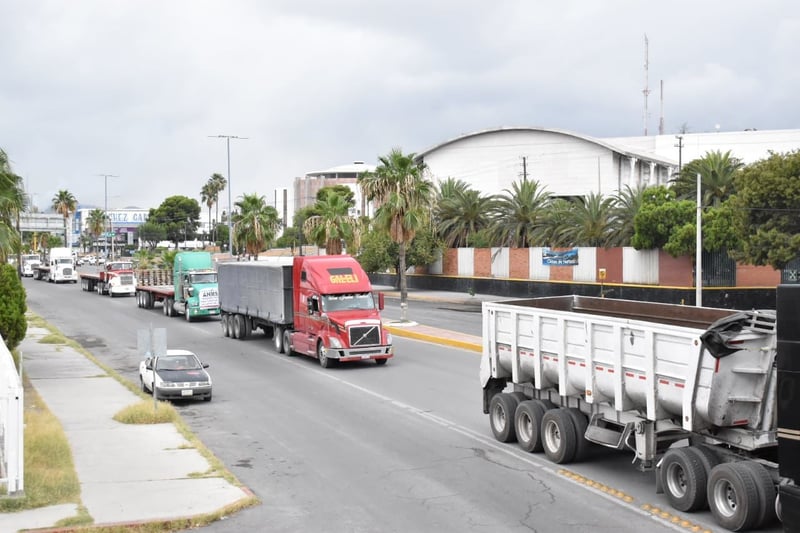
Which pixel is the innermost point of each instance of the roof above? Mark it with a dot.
(355, 167)
(614, 147)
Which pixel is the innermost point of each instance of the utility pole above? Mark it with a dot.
(105, 213)
(679, 146)
(230, 212)
(661, 120)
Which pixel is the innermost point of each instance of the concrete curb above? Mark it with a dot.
(436, 339)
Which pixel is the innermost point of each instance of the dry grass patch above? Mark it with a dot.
(147, 412)
(52, 338)
(50, 476)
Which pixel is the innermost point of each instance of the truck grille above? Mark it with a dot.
(67, 271)
(365, 335)
(126, 279)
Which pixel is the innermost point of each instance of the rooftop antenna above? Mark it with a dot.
(661, 121)
(646, 90)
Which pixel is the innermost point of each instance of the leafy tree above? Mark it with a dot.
(179, 215)
(332, 225)
(341, 190)
(664, 222)
(717, 172)
(292, 237)
(96, 223)
(13, 323)
(403, 195)
(378, 252)
(52, 241)
(766, 210)
(64, 203)
(519, 214)
(255, 225)
(151, 233)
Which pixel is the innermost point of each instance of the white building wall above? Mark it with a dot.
(537, 271)
(466, 261)
(639, 266)
(500, 260)
(586, 269)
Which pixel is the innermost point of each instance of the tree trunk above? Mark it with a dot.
(403, 282)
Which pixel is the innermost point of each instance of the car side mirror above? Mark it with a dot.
(205, 365)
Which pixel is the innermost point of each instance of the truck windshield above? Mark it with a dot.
(347, 302)
(30, 258)
(64, 261)
(206, 277)
(119, 266)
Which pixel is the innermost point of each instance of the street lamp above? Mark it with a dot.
(230, 218)
(105, 212)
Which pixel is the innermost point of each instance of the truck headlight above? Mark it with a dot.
(335, 342)
(389, 338)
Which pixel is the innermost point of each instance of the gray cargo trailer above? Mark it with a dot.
(255, 295)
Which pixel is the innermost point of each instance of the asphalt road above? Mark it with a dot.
(403, 447)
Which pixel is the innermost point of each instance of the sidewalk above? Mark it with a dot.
(128, 472)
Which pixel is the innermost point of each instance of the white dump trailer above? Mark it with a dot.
(690, 391)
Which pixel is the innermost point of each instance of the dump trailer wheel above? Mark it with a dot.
(528, 424)
(501, 416)
(520, 396)
(277, 339)
(766, 492)
(733, 496)
(684, 479)
(582, 446)
(287, 342)
(558, 436)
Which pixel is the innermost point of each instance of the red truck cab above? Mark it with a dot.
(336, 315)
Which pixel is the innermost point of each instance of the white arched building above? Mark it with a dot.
(571, 164)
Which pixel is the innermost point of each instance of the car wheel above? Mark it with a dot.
(142, 385)
(207, 397)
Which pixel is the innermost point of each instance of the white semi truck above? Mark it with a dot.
(58, 267)
(690, 391)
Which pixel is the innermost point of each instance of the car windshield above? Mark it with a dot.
(177, 362)
(347, 302)
(206, 277)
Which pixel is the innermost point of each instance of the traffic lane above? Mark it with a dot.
(337, 455)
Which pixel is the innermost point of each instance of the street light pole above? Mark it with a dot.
(105, 211)
(230, 212)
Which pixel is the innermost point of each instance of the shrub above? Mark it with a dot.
(13, 323)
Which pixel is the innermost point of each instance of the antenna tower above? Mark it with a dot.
(646, 90)
(661, 120)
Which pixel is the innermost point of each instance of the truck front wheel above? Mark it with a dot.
(287, 342)
(322, 355)
(277, 339)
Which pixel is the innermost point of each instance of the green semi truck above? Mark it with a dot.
(189, 289)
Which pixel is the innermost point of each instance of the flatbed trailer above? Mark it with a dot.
(116, 279)
(690, 391)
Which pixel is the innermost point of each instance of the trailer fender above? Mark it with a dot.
(492, 387)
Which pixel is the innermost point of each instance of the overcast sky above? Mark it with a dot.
(135, 88)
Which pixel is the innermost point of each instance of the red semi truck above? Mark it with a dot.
(319, 306)
(115, 279)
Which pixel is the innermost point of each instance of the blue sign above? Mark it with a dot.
(559, 257)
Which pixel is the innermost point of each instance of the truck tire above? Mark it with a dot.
(236, 322)
(226, 332)
(528, 424)
(733, 496)
(559, 438)
(188, 315)
(277, 339)
(149, 301)
(501, 416)
(684, 479)
(582, 446)
(766, 492)
(322, 355)
(287, 342)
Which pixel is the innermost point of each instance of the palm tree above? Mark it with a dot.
(65, 204)
(589, 221)
(717, 172)
(462, 214)
(333, 224)
(12, 202)
(627, 204)
(255, 224)
(403, 196)
(207, 196)
(519, 214)
(218, 184)
(96, 223)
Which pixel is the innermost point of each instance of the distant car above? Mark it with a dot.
(177, 375)
(91, 260)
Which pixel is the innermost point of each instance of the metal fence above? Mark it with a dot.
(11, 423)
